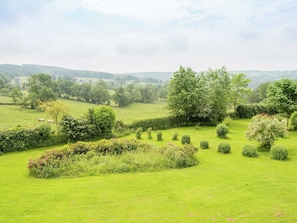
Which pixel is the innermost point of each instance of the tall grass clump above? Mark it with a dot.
(110, 156)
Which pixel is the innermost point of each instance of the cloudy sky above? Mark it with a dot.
(150, 35)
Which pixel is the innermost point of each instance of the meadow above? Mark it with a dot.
(221, 188)
(11, 116)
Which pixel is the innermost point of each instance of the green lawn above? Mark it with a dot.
(221, 188)
(11, 116)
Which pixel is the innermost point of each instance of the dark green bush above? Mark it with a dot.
(19, 139)
(186, 139)
(175, 136)
(248, 111)
(159, 136)
(279, 152)
(204, 144)
(249, 151)
(222, 130)
(77, 129)
(224, 147)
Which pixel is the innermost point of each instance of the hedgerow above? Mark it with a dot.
(18, 139)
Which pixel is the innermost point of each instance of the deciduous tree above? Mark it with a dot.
(282, 94)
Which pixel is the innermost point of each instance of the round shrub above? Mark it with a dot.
(249, 151)
(159, 136)
(222, 130)
(279, 152)
(175, 136)
(204, 145)
(186, 139)
(224, 147)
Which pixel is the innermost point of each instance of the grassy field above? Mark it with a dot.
(221, 188)
(11, 116)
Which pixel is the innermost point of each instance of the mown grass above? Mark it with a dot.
(11, 116)
(221, 188)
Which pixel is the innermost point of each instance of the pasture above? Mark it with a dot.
(221, 188)
(11, 116)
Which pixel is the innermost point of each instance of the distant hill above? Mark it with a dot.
(256, 76)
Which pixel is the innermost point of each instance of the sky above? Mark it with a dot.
(121, 36)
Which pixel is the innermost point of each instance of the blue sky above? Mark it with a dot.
(150, 35)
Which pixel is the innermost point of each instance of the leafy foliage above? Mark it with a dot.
(186, 139)
(18, 139)
(138, 133)
(222, 130)
(77, 129)
(104, 121)
(248, 111)
(224, 147)
(249, 151)
(279, 152)
(282, 94)
(55, 109)
(265, 130)
(110, 156)
(239, 89)
(204, 144)
(293, 121)
(41, 88)
(159, 136)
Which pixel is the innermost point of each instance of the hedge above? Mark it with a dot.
(167, 123)
(248, 111)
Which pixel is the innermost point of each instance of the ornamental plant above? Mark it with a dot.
(265, 129)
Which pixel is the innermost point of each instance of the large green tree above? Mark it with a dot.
(282, 94)
(239, 89)
(184, 94)
(40, 89)
(216, 94)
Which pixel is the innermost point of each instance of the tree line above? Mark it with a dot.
(42, 88)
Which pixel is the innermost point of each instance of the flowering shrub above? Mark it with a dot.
(265, 130)
(110, 156)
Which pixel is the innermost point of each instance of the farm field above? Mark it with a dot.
(221, 188)
(11, 116)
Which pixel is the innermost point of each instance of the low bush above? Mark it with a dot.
(204, 145)
(249, 151)
(222, 130)
(138, 133)
(110, 156)
(19, 138)
(159, 136)
(149, 133)
(175, 136)
(279, 152)
(186, 139)
(227, 120)
(224, 147)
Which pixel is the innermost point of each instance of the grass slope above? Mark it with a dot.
(14, 115)
(222, 188)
